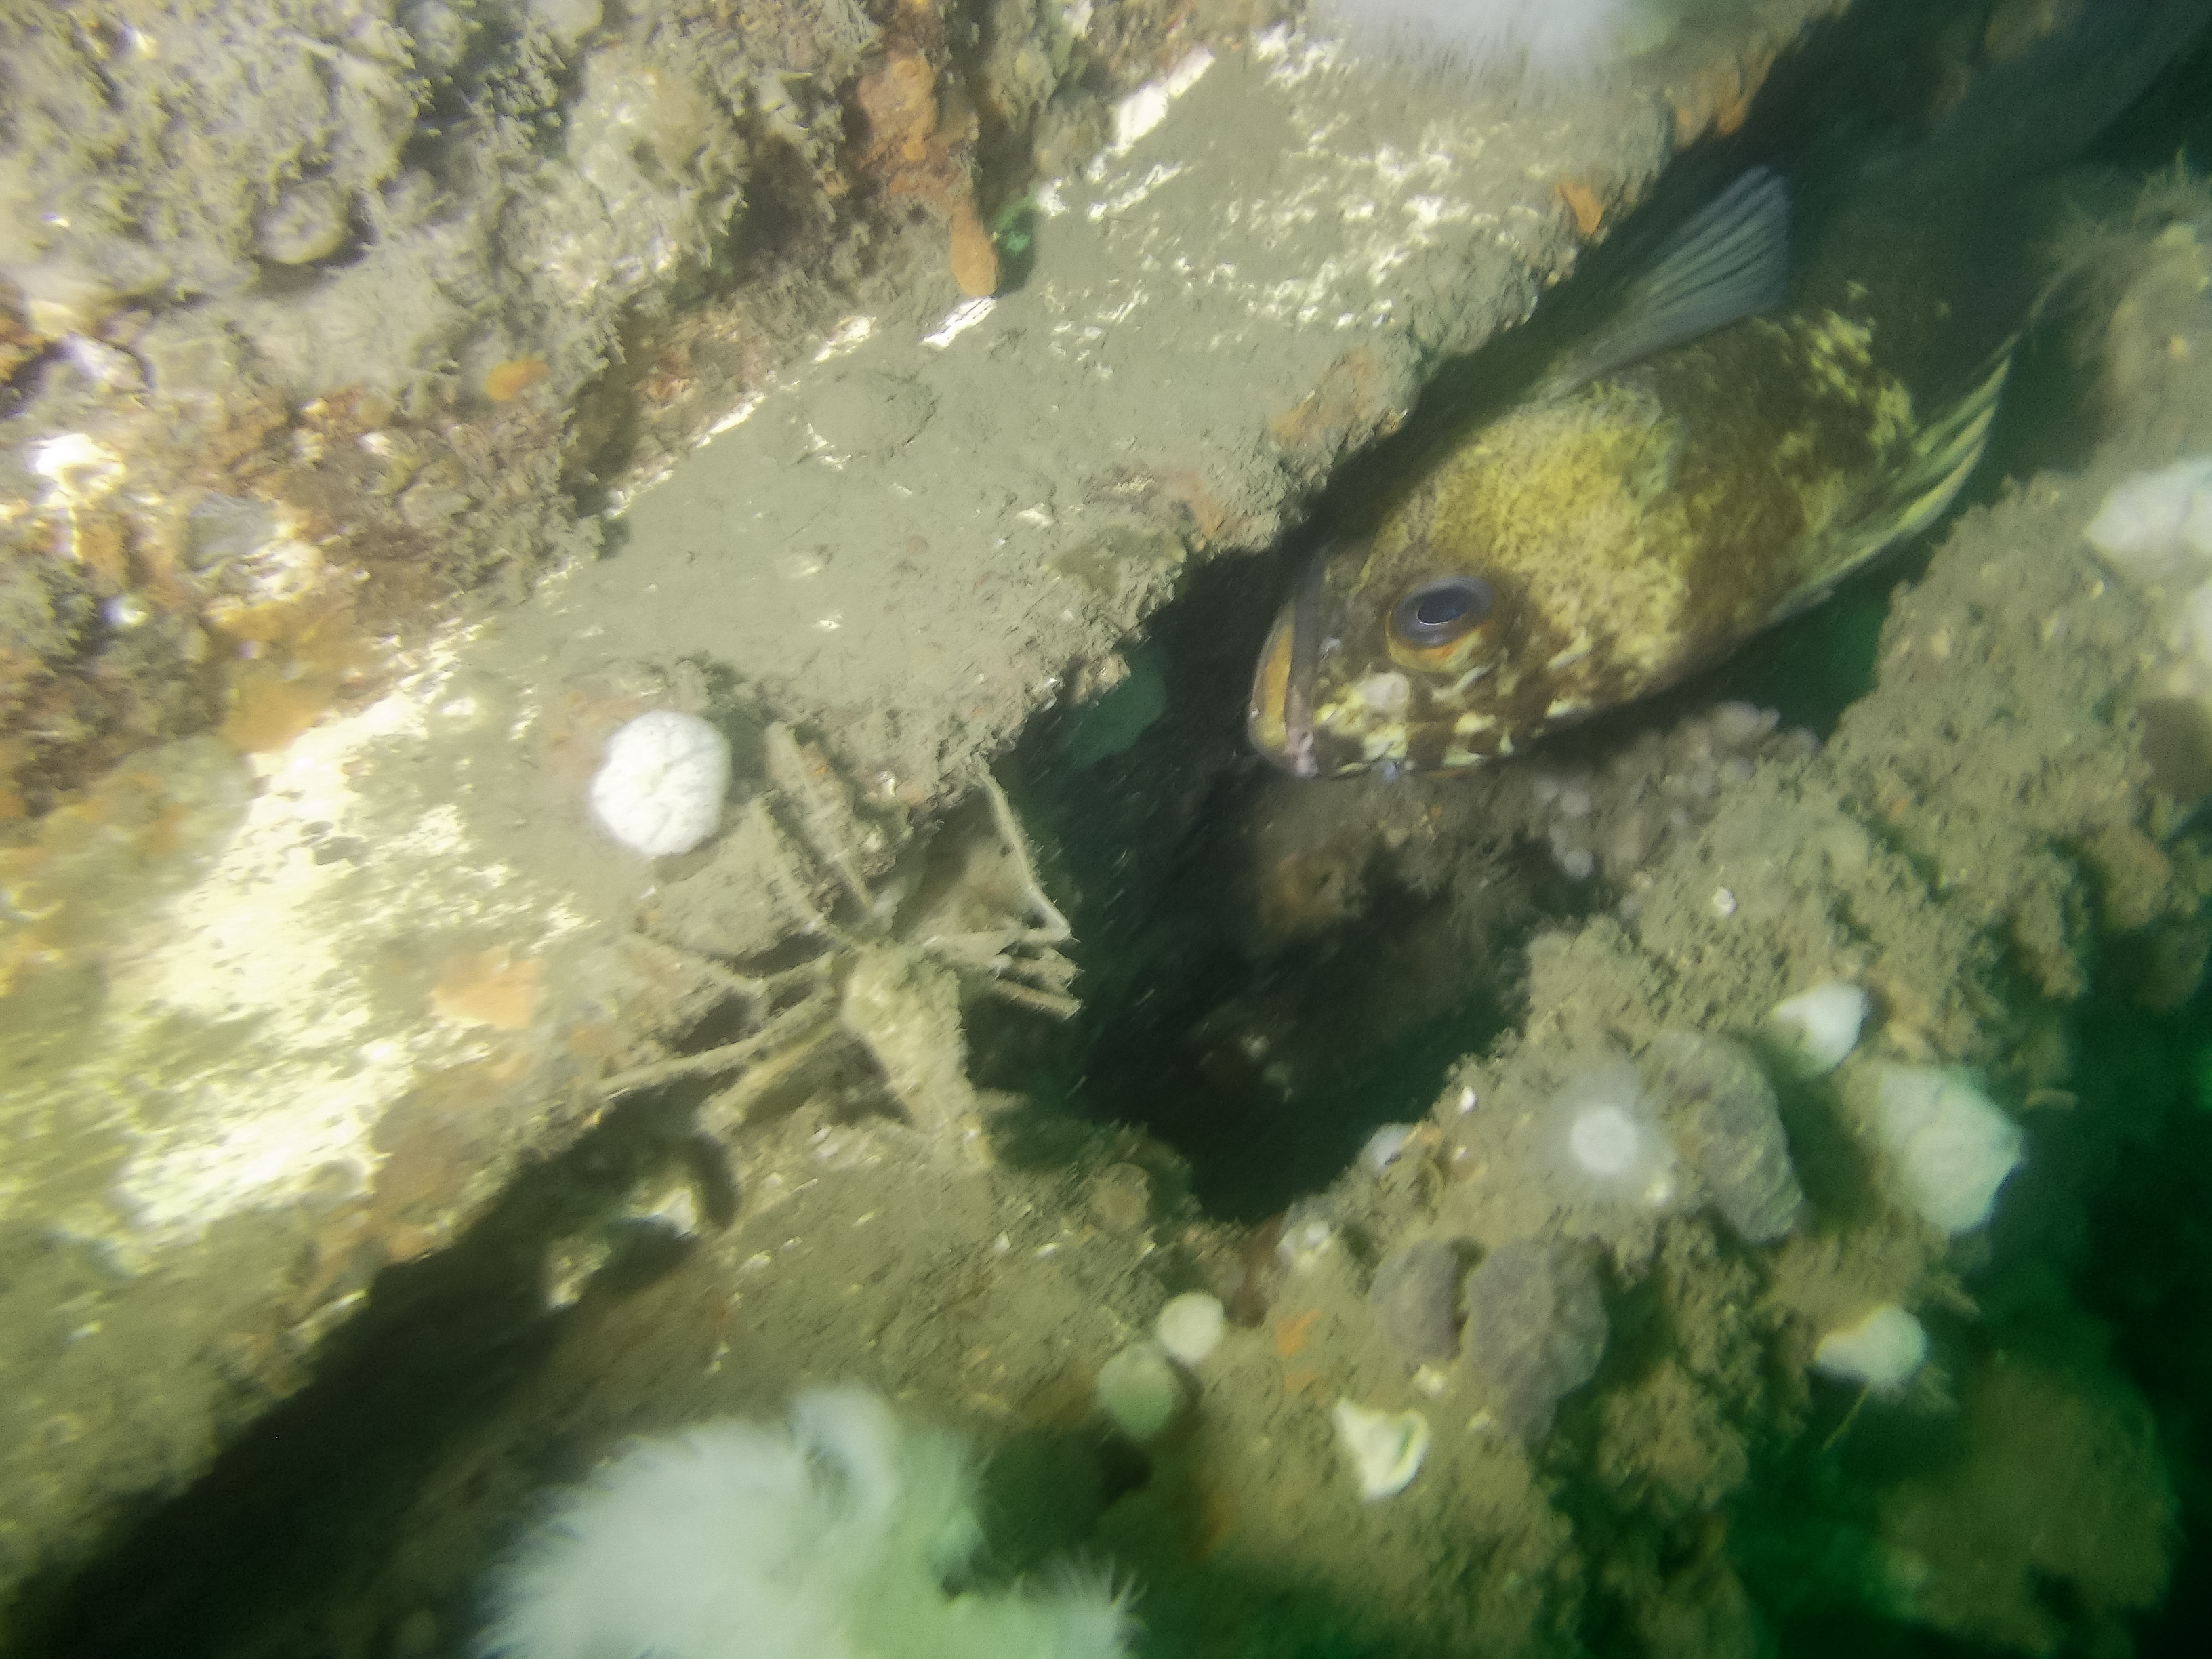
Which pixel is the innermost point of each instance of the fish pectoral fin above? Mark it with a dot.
(1731, 261)
(1948, 449)
(1944, 453)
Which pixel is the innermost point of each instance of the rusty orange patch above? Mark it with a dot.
(508, 380)
(487, 987)
(974, 260)
(1349, 404)
(1721, 96)
(1290, 1333)
(267, 711)
(1589, 211)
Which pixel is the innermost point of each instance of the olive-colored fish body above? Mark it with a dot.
(1609, 535)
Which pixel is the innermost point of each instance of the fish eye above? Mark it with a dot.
(1440, 611)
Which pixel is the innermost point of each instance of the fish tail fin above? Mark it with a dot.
(1729, 261)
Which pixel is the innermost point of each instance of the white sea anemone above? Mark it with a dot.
(1610, 1147)
(1883, 1351)
(660, 789)
(1816, 1028)
(833, 1537)
(1951, 1147)
(2152, 524)
(1533, 41)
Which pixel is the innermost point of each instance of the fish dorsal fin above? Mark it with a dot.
(1730, 261)
(1944, 453)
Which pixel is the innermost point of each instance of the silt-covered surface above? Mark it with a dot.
(314, 1009)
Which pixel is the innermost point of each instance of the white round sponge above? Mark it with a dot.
(660, 788)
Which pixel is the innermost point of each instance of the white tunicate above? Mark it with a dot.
(1952, 1147)
(1817, 1028)
(1386, 1447)
(2151, 523)
(1577, 864)
(1189, 1326)
(1881, 1350)
(659, 790)
(1137, 1387)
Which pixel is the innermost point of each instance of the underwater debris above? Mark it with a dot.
(1722, 1113)
(1535, 1328)
(1816, 1028)
(1952, 1148)
(1883, 1351)
(1386, 1449)
(1415, 1297)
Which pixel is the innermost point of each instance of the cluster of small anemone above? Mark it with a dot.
(1692, 1122)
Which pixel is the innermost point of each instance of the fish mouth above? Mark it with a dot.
(1280, 722)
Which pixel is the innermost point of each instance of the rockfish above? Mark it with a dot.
(1702, 464)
